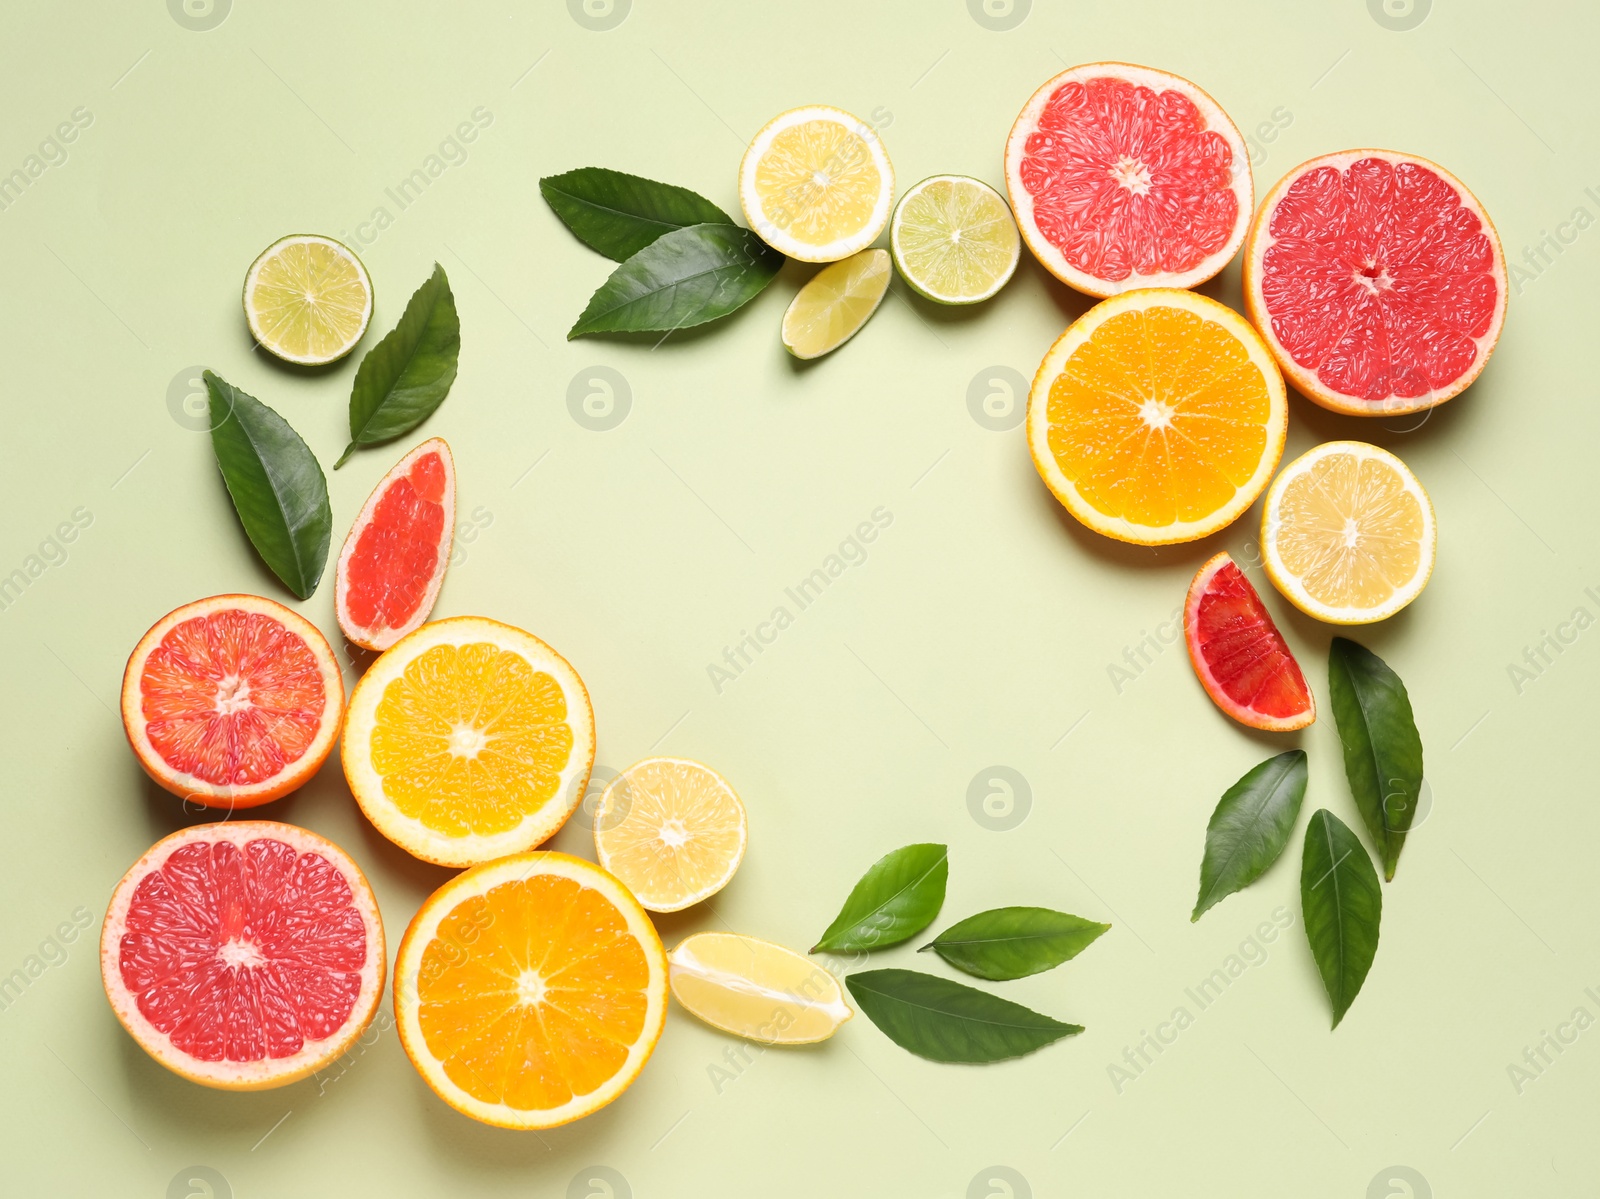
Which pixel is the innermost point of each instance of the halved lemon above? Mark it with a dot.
(757, 990)
(835, 302)
(468, 740)
(954, 240)
(1348, 534)
(530, 991)
(672, 830)
(307, 299)
(816, 184)
(1157, 417)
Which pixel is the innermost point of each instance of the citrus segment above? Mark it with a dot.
(1348, 533)
(393, 561)
(243, 955)
(1123, 177)
(835, 303)
(1377, 280)
(953, 239)
(468, 740)
(1238, 654)
(530, 991)
(232, 701)
(756, 990)
(1157, 417)
(672, 830)
(307, 299)
(816, 184)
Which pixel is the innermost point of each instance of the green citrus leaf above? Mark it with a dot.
(1250, 827)
(1382, 748)
(946, 1021)
(1343, 903)
(620, 214)
(277, 488)
(895, 900)
(403, 378)
(1005, 943)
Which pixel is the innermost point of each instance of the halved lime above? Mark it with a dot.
(307, 299)
(835, 303)
(954, 240)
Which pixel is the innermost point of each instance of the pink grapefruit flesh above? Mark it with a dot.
(243, 955)
(393, 561)
(1122, 176)
(232, 701)
(1377, 281)
(1238, 654)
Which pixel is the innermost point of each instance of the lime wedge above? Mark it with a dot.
(835, 303)
(954, 239)
(307, 299)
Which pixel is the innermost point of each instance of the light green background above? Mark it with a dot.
(978, 631)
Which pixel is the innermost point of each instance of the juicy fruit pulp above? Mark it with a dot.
(1240, 657)
(308, 299)
(1379, 279)
(757, 990)
(835, 303)
(1157, 417)
(393, 562)
(954, 240)
(1126, 177)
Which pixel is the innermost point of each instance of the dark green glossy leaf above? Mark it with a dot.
(620, 214)
(1250, 827)
(686, 277)
(277, 488)
(895, 900)
(1007, 943)
(946, 1021)
(1343, 903)
(1382, 748)
(403, 378)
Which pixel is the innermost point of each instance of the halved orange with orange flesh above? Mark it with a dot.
(1238, 654)
(1157, 417)
(530, 991)
(232, 701)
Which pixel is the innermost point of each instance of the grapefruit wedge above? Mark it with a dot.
(1377, 281)
(1123, 176)
(1239, 656)
(232, 701)
(393, 561)
(243, 955)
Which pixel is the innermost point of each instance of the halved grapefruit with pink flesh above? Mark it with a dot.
(232, 701)
(243, 955)
(1123, 176)
(1239, 656)
(1377, 281)
(392, 564)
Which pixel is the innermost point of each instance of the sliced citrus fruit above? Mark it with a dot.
(468, 740)
(1238, 654)
(816, 184)
(243, 955)
(232, 701)
(530, 991)
(757, 990)
(953, 239)
(1377, 280)
(307, 299)
(392, 564)
(1158, 416)
(672, 830)
(835, 302)
(1347, 533)
(1122, 176)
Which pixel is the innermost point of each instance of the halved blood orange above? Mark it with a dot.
(1377, 281)
(232, 701)
(393, 561)
(243, 955)
(1239, 656)
(1123, 176)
